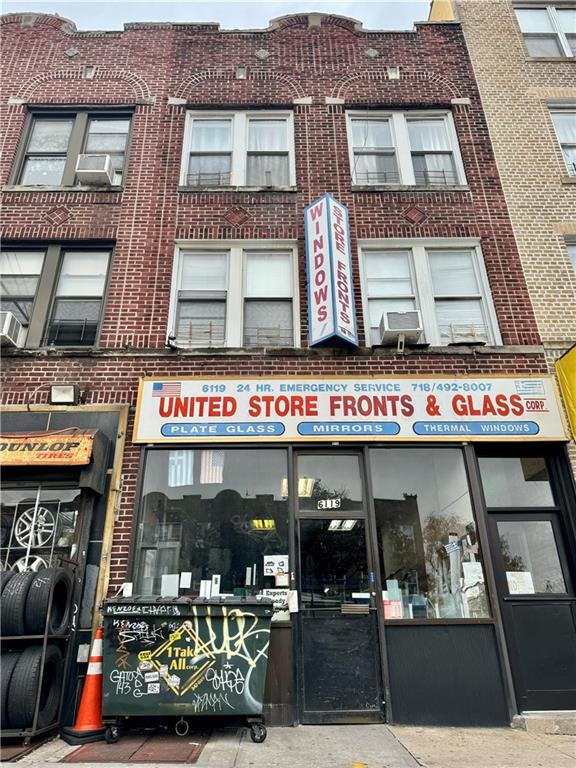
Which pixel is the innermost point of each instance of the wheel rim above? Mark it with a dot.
(34, 528)
(33, 563)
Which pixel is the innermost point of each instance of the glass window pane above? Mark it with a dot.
(570, 159)
(333, 562)
(571, 39)
(100, 125)
(329, 479)
(204, 272)
(21, 308)
(67, 309)
(43, 170)
(534, 20)
(18, 286)
(268, 170)
(212, 512)
(453, 273)
(565, 125)
(201, 323)
(429, 550)
(515, 482)
(567, 19)
(209, 170)
(267, 136)
(375, 169)
(73, 322)
(428, 134)
(21, 262)
(371, 134)
(530, 557)
(50, 135)
(543, 46)
(105, 142)
(388, 273)
(268, 274)
(268, 324)
(461, 320)
(83, 273)
(434, 169)
(211, 135)
(377, 307)
(572, 254)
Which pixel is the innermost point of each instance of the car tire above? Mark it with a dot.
(50, 582)
(5, 577)
(7, 663)
(14, 597)
(24, 684)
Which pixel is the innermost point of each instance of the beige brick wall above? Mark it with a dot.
(516, 92)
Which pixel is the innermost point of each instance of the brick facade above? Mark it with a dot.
(318, 70)
(517, 93)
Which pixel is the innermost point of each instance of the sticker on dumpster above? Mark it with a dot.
(212, 660)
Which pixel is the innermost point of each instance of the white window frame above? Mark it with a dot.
(235, 288)
(240, 120)
(551, 8)
(423, 288)
(401, 143)
(555, 108)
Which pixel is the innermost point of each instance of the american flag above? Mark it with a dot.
(180, 468)
(452, 547)
(212, 466)
(166, 389)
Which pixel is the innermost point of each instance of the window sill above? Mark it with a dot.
(410, 188)
(569, 180)
(237, 189)
(39, 188)
(550, 58)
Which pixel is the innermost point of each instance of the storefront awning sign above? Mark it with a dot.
(566, 372)
(46, 448)
(188, 410)
(328, 264)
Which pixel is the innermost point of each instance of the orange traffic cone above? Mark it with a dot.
(89, 726)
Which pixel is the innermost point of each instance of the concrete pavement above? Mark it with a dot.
(363, 746)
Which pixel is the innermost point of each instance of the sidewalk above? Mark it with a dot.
(362, 746)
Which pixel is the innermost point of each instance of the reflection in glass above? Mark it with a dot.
(332, 482)
(515, 481)
(530, 557)
(212, 512)
(333, 562)
(429, 551)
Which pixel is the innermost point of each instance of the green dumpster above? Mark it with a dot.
(186, 657)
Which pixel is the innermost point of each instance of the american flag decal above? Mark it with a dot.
(212, 466)
(167, 389)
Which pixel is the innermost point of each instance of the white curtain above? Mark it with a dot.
(211, 135)
(371, 134)
(264, 170)
(267, 136)
(453, 273)
(428, 135)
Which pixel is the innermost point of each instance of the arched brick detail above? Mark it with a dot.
(341, 89)
(138, 85)
(40, 20)
(183, 90)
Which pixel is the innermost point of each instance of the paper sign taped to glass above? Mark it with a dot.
(275, 564)
(520, 583)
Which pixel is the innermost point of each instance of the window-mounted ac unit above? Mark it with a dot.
(10, 329)
(396, 326)
(95, 169)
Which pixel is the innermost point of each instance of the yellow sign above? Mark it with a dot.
(46, 448)
(566, 372)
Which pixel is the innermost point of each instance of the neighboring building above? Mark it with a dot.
(524, 58)
(404, 494)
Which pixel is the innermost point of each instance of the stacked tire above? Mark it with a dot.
(32, 673)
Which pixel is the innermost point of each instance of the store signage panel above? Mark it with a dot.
(44, 448)
(312, 409)
(566, 372)
(331, 309)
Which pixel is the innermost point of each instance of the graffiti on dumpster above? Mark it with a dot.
(205, 661)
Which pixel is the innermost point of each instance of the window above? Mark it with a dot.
(215, 512)
(447, 284)
(565, 124)
(430, 556)
(54, 141)
(404, 148)
(237, 296)
(515, 481)
(572, 253)
(55, 292)
(548, 31)
(239, 149)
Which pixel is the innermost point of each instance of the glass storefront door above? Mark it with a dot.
(339, 668)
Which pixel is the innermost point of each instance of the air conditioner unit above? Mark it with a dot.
(95, 169)
(400, 326)
(10, 329)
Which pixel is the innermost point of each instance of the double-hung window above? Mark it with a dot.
(238, 149)
(54, 140)
(404, 148)
(548, 30)
(55, 292)
(445, 282)
(233, 296)
(565, 125)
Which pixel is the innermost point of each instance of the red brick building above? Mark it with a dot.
(179, 251)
